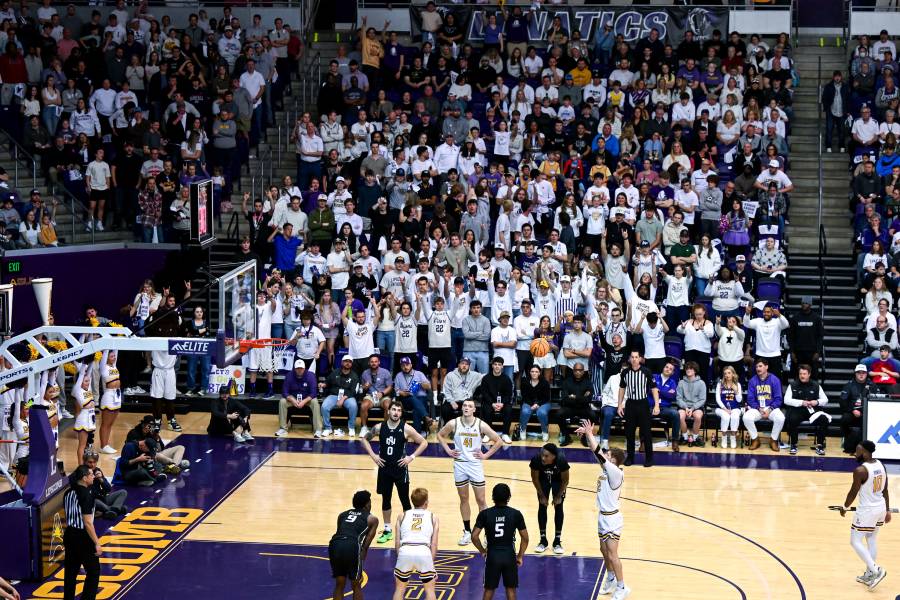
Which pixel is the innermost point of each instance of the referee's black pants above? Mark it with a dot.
(80, 552)
(637, 414)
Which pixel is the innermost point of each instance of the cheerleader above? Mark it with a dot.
(728, 399)
(7, 432)
(49, 397)
(84, 407)
(20, 426)
(111, 401)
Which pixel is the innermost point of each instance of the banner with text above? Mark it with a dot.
(632, 22)
(225, 376)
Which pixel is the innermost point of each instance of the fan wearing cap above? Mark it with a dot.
(774, 174)
(806, 335)
(854, 396)
(503, 341)
(495, 394)
(299, 390)
(359, 337)
(411, 387)
(229, 416)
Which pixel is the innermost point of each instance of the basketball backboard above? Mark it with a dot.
(237, 319)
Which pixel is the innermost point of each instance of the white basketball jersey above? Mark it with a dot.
(467, 439)
(416, 527)
(609, 486)
(871, 494)
(439, 329)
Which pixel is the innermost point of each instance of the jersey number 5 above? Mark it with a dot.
(498, 529)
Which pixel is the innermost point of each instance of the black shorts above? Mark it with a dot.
(98, 195)
(551, 490)
(388, 478)
(343, 556)
(501, 564)
(442, 356)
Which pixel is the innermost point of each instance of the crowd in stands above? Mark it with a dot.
(860, 109)
(126, 109)
(456, 201)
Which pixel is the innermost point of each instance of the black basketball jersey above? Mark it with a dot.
(352, 525)
(550, 475)
(391, 446)
(500, 524)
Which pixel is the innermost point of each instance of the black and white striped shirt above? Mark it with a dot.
(78, 502)
(637, 384)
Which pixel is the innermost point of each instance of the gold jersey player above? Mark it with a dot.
(392, 461)
(356, 528)
(609, 521)
(870, 483)
(468, 432)
(417, 543)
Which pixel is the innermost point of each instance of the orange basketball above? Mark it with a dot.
(539, 348)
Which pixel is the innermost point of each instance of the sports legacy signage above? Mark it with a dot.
(632, 22)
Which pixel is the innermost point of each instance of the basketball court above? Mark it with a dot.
(255, 519)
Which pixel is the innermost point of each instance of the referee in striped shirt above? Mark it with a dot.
(80, 539)
(637, 386)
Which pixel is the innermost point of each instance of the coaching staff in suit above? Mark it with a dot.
(80, 539)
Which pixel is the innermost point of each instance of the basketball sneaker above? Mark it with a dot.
(794, 449)
(876, 578)
(248, 437)
(557, 547)
(542, 546)
(865, 577)
(466, 538)
(386, 536)
(238, 438)
(609, 584)
(281, 433)
(621, 593)
(819, 449)
(173, 425)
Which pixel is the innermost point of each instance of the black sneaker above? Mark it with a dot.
(793, 449)
(820, 449)
(174, 426)
(699, 443)
(566, 440)
(629, 460)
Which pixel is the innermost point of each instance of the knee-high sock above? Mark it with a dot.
(872, 540)
(858, 541)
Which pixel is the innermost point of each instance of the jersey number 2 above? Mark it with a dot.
(416, 524)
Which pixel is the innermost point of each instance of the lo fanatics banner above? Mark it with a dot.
(632, 22)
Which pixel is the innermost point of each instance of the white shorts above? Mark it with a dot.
(162, 384)
(84, 421)
(867, 520)
(548, 361)
(609, 527)
(466, 472)
(414, 559)
(261, 359)
(111, 400)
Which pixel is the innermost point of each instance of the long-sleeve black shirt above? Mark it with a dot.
(576, 392)
(806, 332)
(492, 386)
(535, 394)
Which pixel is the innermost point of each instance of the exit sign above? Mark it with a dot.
(14, 266)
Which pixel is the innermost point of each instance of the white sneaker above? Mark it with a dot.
(558, 549)
(352, 432)
(139, 390)
(89, 225)
(281, 433)
(325, 434)
(485, 439)
(363, 431)
(338, 433)
(545, 437)
(466, 538)
(621, 593)
(540, 547)
(734, 441)
(248, 437)
(64, 414)
(609, 586)
(99, 226)
(318, 434)
(238, 438)
(828, 150)
(876, 578)
(107, 449)
(523, 434)
(506, 439)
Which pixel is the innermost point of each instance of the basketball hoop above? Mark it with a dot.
(245, 345)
